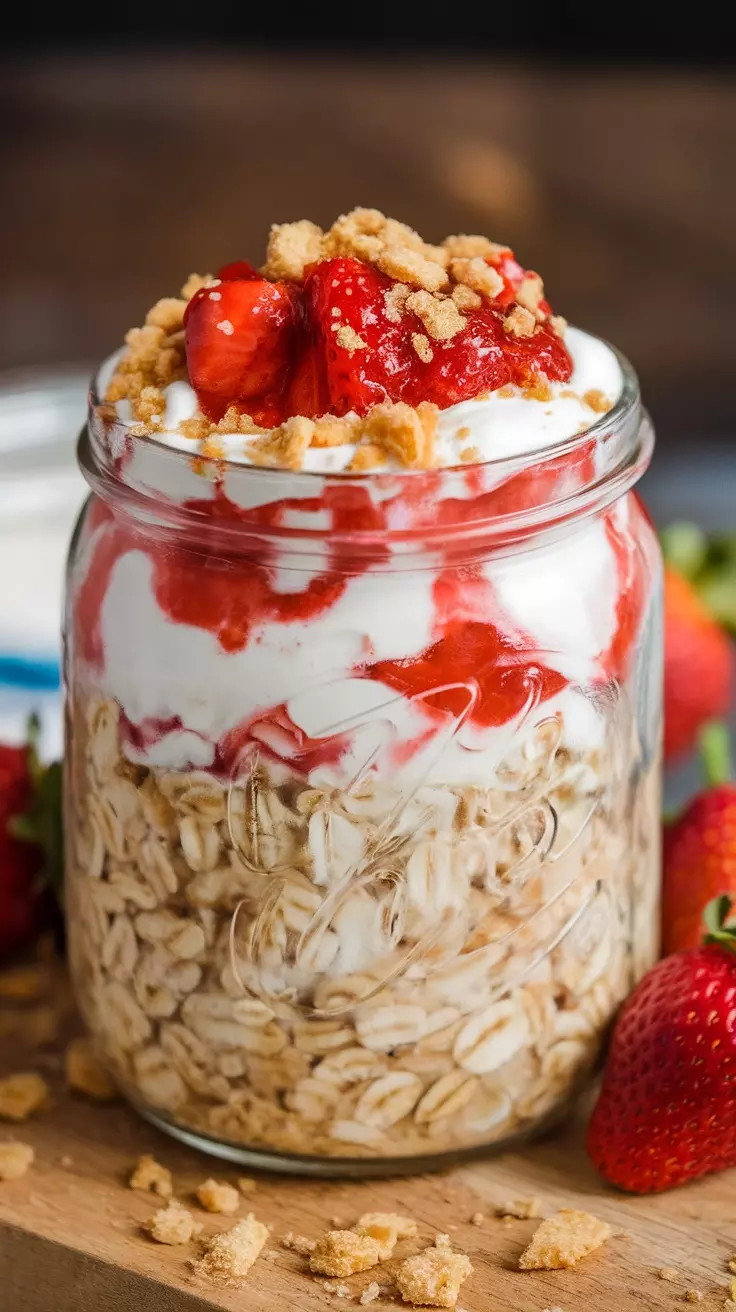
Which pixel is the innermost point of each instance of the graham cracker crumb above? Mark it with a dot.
(520, 322)
(462, 433)
(477, 1218)
(217, 1197)
(441, 318)
(342, 1253)
(349, 340)
(405, 1227)
(291, 247)
(195, 282)
(563, 1239)
(465, 298)
(368, 456)
(356, 234)
(150, 1175)
(85, 1073)
(247, 1185)
(668, 1273)
(557, 324)
(523, 1209)
(298, 1244)
(442, 1240)
(172, 1224)
(329, 430)
(21, 1095)
(168, 313)
(370, 1294)
(466, 246)
(530, 292)
(508, 390)
(477, 275)
(411, 266)
(537, 389)
(229, 1255)
(404, 432)
(284, 447)
(693, 1295)
(335, 1287)
(15, 1158)
(394, 300)
(597, 401)
(422, 347)
(433, 1278)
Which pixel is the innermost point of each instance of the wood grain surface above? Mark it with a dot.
(123, 171)
(70, 1238)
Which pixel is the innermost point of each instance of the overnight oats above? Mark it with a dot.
(363, 674)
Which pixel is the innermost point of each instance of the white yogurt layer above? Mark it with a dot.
(502, 425)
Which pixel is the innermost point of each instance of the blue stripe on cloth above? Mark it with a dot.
(29, 672)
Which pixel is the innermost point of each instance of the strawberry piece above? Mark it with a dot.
(698, 666)
(345, 293)
(237, 269)
(240, 340)
(472, 361)
(544, 352)
(666, 1112)
(700, 849)
(307, 393)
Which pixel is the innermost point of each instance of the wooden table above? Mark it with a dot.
(123, 171)
(70, 1237)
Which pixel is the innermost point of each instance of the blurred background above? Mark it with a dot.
(601, 148)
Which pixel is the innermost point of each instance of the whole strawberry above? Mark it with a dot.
(698, 666)
(699, 849)
(30, 841)
(666, 1112)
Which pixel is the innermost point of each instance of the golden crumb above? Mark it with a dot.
(394, 300)
(213, 448)
(477, 1218)
(440, 317)
(217, 1197)
(465, 246)
(367, 456)
(520, 322)
(247, 1185)
(405, 1227)
(284, 447)
(411, 266)
(385, 1235)
(291, 247)
(422, 347)
(172, 1224)
(404, 432)
(442, 1240)
(168, 313)
(370, 1294)
(22, 983)
(336, 1288)
(15, 1158)
(477, 275)
(563, 1239)
(537, 389)
(433, 1278)
(348, 339)
(597, 401)
(732, 1265)
(343, 1252)
(523, 1209)
(530, 292)
(85, 1073)
(150, 1175)
(557, 324)
(462, 433)
(329, 430)
(21, 1095)
(465, 298)
(298, 1244)
(668, 1273)
(693, 1295)
(229, 1255)
(153, 359)
(195, 282)
(356, 234)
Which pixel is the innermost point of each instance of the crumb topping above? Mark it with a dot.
(172, 1224)
(478, 276)
(291, 247)
(422, 347)
(15, 1159)
(150, 1175)
(349, 339)
(562, 1240)
(343, 1253)
(433, 1278)
(217, 1197)
(440, 316)
(520, 322)
(228, 1256)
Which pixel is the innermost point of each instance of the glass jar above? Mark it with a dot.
(362, 797)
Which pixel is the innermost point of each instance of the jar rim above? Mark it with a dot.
(110, 454)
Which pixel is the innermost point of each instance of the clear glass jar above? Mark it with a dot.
(362, 790)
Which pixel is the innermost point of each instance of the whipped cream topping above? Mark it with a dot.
(505, 423)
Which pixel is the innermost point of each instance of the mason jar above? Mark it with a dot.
(362, 790)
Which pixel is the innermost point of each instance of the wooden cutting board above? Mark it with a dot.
(70, 1237)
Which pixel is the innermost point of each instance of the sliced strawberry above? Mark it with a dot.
(240, 342)
(543, 352)
(307, 393)
(345, 293)
(472, 361)
(237, 269)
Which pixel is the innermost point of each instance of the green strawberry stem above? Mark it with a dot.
(42, 822)
(715, 753)
(715, 917)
